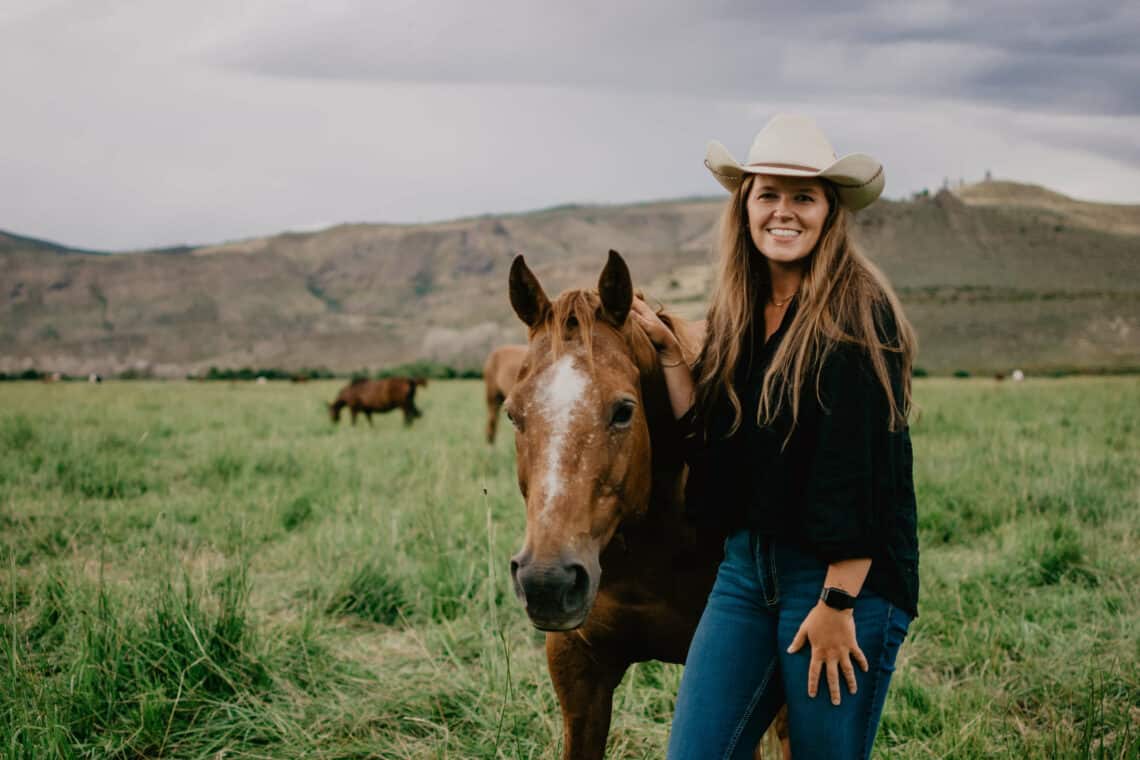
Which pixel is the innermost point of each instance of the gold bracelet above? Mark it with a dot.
(678, 364)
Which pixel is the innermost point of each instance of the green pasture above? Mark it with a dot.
(213, 570)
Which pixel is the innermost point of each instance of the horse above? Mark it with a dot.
(499, 374)
(368, 396)
(611, 568)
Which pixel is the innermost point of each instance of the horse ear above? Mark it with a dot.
(527, 297)
(615, 286)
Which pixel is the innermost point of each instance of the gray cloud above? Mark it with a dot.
(131, 123)
(1059, 57)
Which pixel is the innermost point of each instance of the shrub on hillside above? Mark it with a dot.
(428, 369)
(28, 374)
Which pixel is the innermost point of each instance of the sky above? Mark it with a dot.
(128, 124)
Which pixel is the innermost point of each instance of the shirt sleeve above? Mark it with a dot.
(692, 435)
(699, 492)
(712, 486)
(840, 521)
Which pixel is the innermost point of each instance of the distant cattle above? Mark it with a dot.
(500, 372)
(368, 396)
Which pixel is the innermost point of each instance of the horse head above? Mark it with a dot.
(590, 396)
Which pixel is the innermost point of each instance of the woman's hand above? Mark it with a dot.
(659, 333)
(831, 634)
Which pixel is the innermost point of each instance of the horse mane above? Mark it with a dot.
(578, 311)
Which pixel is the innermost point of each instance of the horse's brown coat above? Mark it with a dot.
(500, 372)
(610, 567)
(368, 396)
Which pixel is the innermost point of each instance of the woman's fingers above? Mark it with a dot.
(651, 329)
(641, 309)
(860, 658)
(833, 681)
(797, 641)
(657, 331)
(813, 676)
(849, 674)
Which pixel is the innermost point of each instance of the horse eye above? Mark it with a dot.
(514, 421)
(622, 414)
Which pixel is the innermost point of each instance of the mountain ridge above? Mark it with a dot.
(993, 275)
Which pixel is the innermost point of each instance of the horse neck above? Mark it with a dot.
(665, 441)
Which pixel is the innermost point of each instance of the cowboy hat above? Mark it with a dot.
(793, 146)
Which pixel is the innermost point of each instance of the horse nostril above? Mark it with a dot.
(516, 580)
(574, 597)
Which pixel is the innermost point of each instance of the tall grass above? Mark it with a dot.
(188, 570)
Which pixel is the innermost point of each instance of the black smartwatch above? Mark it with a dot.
(837, 598)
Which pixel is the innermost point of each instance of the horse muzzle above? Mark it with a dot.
(557, 594)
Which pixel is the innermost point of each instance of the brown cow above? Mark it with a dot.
(368, 396)
(500, 372)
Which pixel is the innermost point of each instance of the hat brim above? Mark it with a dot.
(858, 178)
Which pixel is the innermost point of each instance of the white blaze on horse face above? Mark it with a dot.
(563, 391)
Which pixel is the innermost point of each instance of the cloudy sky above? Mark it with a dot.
(139, 123)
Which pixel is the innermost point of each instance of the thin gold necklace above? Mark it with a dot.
(781, 304)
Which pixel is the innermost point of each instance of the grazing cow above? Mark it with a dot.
(499, 375)
(368, 396)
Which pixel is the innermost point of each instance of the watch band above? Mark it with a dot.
(837, 598)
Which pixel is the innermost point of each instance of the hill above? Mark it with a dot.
(994, 276)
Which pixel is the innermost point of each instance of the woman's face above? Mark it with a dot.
(786, 216)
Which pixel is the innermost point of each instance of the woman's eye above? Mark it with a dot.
(805, 198)
(622, 414)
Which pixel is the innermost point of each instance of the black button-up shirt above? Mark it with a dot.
(841, 486)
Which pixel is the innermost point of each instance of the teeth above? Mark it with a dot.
(784, 233)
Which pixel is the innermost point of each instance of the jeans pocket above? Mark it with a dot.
(898, 623)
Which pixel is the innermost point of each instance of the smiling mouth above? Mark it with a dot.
(781, 232)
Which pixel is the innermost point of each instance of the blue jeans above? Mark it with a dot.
(738, 672)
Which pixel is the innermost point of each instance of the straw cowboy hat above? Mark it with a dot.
(793, 146)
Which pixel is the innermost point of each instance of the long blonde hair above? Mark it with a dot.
(843, 298)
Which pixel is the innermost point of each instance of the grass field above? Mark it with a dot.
(214, 570)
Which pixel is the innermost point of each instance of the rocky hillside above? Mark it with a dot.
(994, 276)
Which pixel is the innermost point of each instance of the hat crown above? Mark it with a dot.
(788, 140)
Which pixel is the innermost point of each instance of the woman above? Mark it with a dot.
(796, 421)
